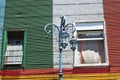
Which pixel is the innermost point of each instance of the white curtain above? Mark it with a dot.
(90, 52)
(14, 54)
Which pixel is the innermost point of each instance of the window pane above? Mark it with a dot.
(91, 44)
(91, 51)
(90, 34)
(14, 51)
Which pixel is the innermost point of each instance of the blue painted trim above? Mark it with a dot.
(2, 13)
(60, 64)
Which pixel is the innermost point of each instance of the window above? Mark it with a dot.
(91, 48)
(13, 54)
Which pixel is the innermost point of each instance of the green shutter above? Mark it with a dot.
(32, 16)
(24, 49)
(4, 47)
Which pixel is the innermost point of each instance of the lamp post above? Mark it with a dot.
(63, 35)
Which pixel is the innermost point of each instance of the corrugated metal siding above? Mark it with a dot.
(112, 17)
(2, 8)
(32, 16)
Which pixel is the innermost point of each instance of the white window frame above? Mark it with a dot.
(102, 27)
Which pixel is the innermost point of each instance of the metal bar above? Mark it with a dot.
(60, 64)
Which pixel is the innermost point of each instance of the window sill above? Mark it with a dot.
(91, 65)
(90, 39)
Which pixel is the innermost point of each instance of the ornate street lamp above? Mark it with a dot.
(73, 43)
(63, 39)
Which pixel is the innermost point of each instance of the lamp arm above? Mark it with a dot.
(51, 25)
(73, 27)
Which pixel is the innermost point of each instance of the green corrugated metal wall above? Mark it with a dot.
(32, 16)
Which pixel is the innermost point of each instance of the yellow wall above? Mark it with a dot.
(100, 76)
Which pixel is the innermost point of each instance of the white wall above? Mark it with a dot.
(74, 10)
